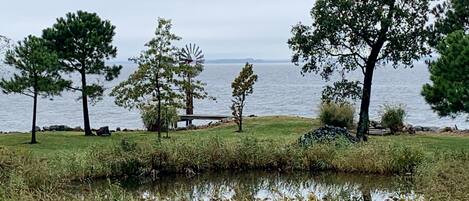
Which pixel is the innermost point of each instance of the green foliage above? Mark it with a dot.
(154, 83)
(83, 43)
(191, 64)
(448, 94)
(242, 86)
(347, 35)
(337, 114)
(392, 117)
(38, 69)
(189, 82)
(149, 114)
(37, 74)
(46, 171)
(343, 42)
(342, 91)
(451, 16)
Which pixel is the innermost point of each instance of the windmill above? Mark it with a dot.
(191, 56)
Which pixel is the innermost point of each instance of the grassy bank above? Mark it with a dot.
(46, 169)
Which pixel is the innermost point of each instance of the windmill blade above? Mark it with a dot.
(193, 48)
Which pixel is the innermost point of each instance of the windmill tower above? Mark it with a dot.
(191, 56)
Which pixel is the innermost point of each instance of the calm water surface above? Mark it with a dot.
(272, 186)
(281, 90)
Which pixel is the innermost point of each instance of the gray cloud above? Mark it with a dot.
(224, 29)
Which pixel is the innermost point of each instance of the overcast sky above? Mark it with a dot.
(224, 29)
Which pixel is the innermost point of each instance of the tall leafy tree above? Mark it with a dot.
(154, 82)
(451, 15)
(347, 35)
(242, 87)
(37, 73)
(448, 94)
(83, 43)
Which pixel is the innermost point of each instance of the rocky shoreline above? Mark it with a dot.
(61, 128)
(375, 129)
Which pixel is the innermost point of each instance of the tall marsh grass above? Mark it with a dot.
(25, 176)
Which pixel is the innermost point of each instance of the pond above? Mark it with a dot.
(261, 185)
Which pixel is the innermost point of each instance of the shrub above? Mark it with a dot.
(392, 117)
(336, 114)
(327, 134)
(149, 115)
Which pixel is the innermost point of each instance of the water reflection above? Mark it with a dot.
(274, 186)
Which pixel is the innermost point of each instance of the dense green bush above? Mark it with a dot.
(392, 117)
(149, 115)
(336, 114)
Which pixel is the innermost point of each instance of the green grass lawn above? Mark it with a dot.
(279, 129)
(62, 158)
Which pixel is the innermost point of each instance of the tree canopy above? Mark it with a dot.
(448, 94)
(242, 86)
(83, 43)
(154, 82)
(451, 15)
(347, 35)
(37, 73)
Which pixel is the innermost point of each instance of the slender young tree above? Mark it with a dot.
(37, 74)
(83, 43)
(347, 35)
(242, 87)
(154, 82)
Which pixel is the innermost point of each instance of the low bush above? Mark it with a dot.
(327, 134)
(336, 114)
(149, 115)
(392, 117)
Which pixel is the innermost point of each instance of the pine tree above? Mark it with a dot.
(37, 73)
(83, 43)
(448, 94)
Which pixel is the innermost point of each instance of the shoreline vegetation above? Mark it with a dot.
(363, 37)
(48, 170)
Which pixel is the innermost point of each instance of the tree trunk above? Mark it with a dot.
(363, 123)
(240, 125)
(33, 130)
(241, 108)
(158, 120)
(158, 97)
(189, 101)
(84, 98)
